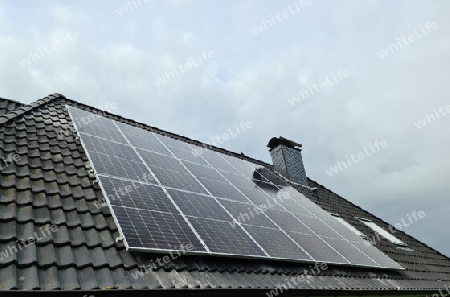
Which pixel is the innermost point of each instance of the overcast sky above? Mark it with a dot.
(95, 52)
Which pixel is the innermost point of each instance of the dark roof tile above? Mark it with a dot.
(8, 212)
(8, 279)
(68, 279)
(7, 195)
(26, 256)
(8, 181)
(49, 278)
(28, 278)
(8, 253)
(87, 278)
(8, 231)
(64, 256)
(61, 236)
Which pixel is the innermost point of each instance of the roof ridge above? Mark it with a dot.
(27, 108)
(12, 100)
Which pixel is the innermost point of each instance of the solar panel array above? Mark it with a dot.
(165, 193)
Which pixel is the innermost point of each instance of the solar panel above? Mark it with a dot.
(161, 161)
(110, 165)
(223, 190)
(93, 124)
(351, 253)
(165, 193)
(147, 219)
(317, 248)
(149, 144)
(194, 205)
(187, 155)
(277, 244)
(287, 221)
(375, 254)
(318, 226)
(137, 195)
(247, 214)
(292, 205)
(223, 238)
(216, 161)
(201, 171)
(258, 197)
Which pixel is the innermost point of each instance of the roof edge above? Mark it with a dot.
(27, 108)
(227, 292)
(12, 100)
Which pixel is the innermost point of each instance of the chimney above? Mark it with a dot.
(287, 159)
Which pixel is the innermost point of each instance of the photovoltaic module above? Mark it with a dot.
(163, 195)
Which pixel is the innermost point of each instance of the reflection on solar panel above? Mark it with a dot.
(163, 196)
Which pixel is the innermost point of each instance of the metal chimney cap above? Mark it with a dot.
(276, 141)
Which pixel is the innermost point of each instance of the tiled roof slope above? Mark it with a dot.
(8, 105)
(50, 184)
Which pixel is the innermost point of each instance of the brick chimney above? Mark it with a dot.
(287, 159)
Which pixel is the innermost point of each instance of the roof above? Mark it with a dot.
(50, 184)
(8, 105)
